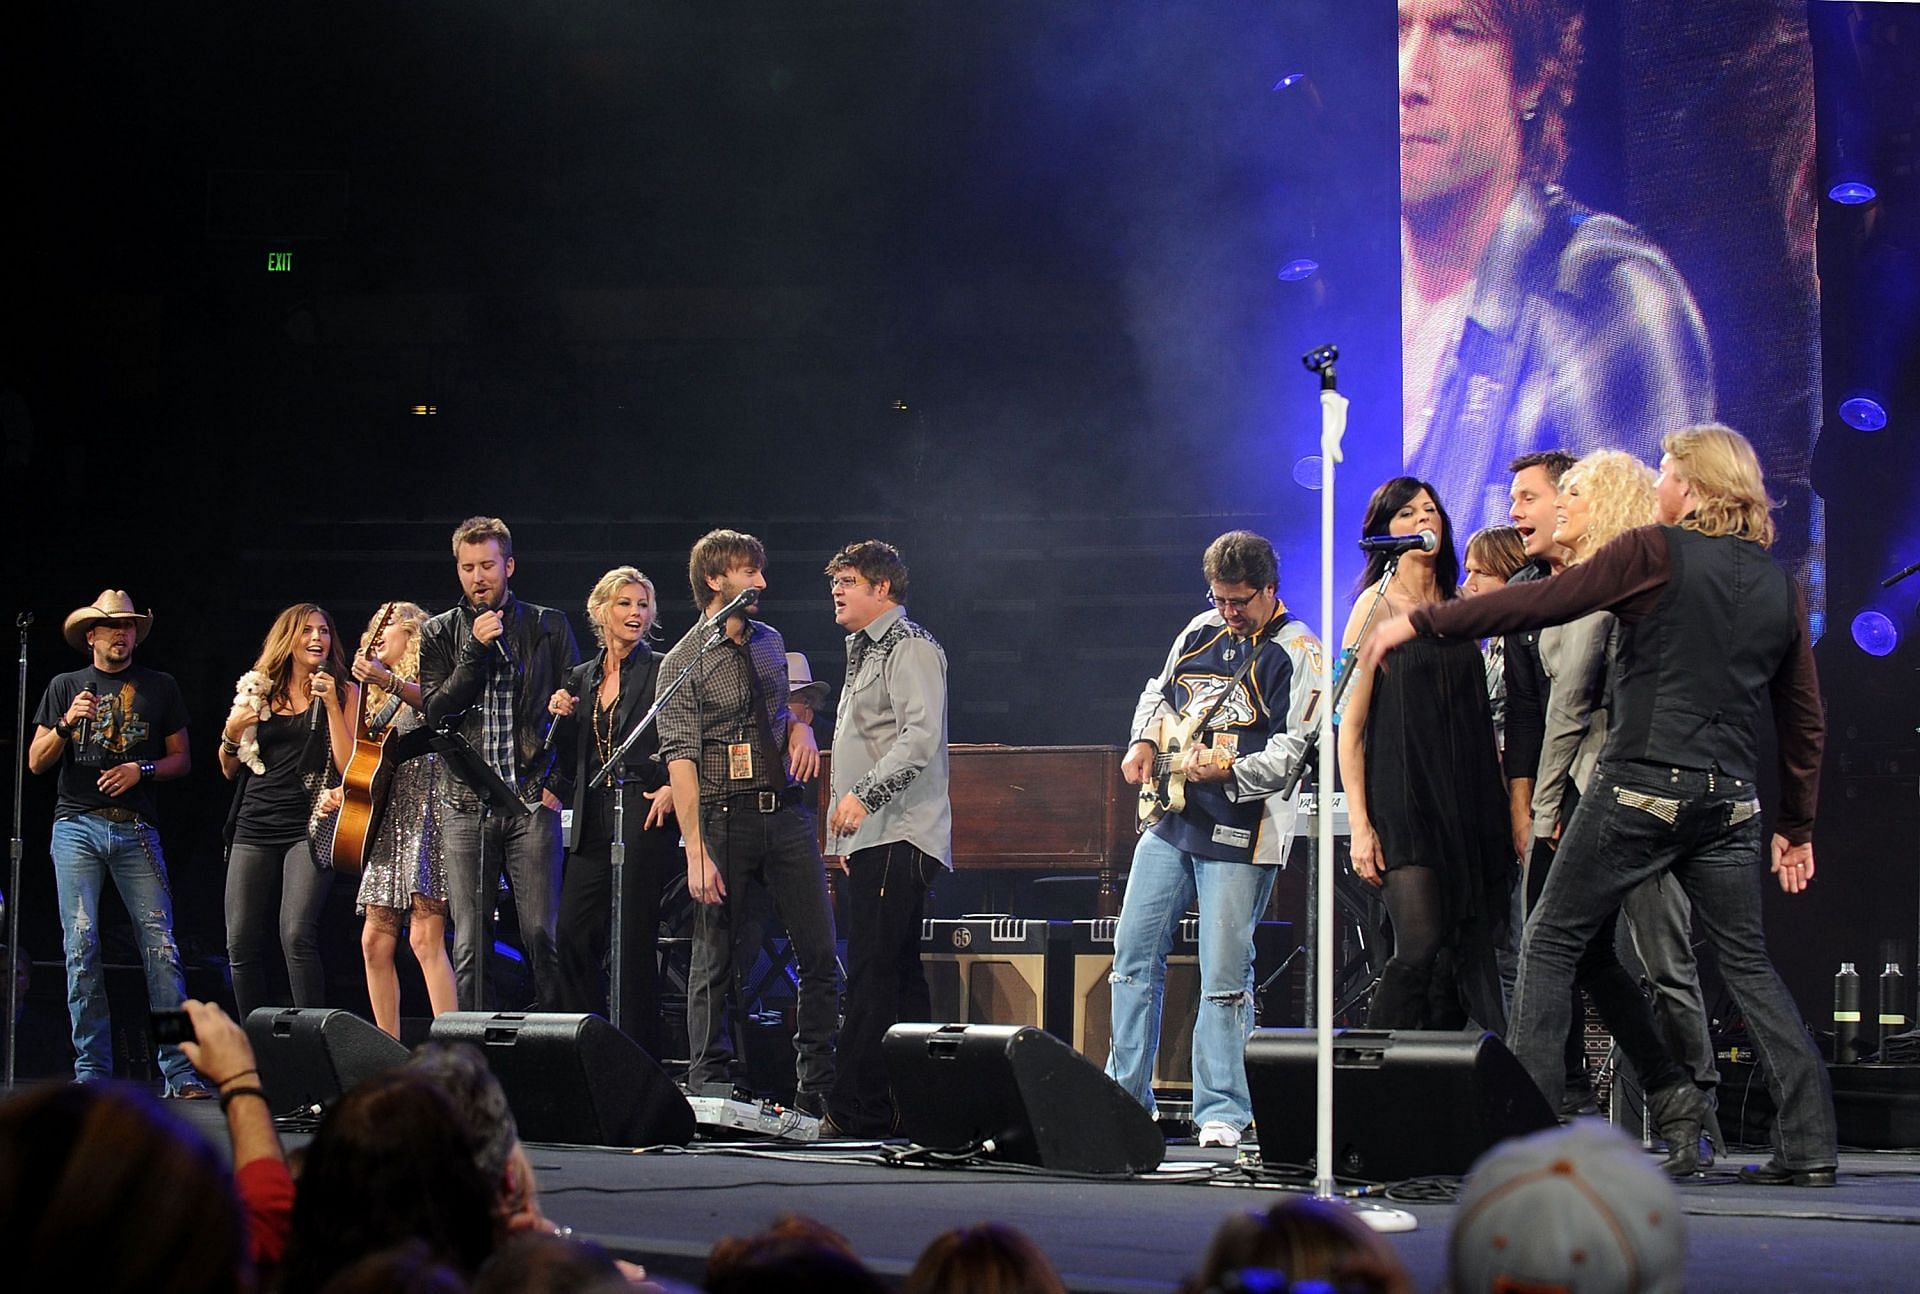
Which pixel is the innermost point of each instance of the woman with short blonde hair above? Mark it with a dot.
(597, 705)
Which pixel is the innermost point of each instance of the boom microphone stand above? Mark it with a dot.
(1333, 426)
(711, 633)
(23, 622)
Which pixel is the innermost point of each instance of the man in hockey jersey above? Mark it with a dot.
(1247, 677)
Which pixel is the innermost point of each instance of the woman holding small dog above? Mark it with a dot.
(289, 734)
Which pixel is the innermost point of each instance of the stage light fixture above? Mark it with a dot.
(1875, 634)
(1853, 193)
(1291, 78)
(1296, 270)
(1306, 472)
(1863, 413)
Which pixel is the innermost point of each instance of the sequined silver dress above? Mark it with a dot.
(408, 854)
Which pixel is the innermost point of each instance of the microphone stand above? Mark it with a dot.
(613, 771)
(23, 622)
(1333, 426)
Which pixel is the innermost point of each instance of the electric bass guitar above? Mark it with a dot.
(1164, 789)
(368, 775)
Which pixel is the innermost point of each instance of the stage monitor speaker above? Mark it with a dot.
(1406, 1103)
(1031, 1096)
(574, 1079)
(310, 1056)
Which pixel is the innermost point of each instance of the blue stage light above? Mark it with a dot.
(1291, 78)
(1306, 472)
(1853, 193)
(1863, 413)
(1294, 271)
(1874, 634)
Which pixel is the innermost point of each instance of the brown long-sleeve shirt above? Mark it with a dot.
(1628, 577)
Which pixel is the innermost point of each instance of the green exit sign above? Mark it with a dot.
(279, 262)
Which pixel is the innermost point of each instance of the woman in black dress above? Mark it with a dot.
(1425, 798)
(603, 697)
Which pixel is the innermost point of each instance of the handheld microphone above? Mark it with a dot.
(1899, 575)
(1424, 540)
(500, 643)
(553, 724)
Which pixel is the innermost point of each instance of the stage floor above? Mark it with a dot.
(667, 1209)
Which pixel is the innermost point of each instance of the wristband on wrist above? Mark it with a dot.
(146, 769)
(222, 1082)
(230, 746)
(65, 730)
(228, 1097)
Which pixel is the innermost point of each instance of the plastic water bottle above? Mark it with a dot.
(1846, 1014)
(1893, 1006)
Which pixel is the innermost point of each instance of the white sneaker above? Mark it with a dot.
(1216, 1133)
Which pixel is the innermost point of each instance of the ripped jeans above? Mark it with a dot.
(87, 849)
(1163, 883)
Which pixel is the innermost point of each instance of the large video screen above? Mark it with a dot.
(1607, 233)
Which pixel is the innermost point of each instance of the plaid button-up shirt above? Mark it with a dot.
(714, 708)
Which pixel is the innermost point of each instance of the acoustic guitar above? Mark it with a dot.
(368, 776)
(1164, 789)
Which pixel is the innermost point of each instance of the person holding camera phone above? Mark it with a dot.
(113, 730)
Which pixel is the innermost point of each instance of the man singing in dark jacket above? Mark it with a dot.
(489, 666)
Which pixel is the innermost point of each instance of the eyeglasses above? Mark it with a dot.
(1236, 604)
(842, 583)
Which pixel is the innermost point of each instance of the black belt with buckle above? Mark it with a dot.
(113, 813)
(765, 801)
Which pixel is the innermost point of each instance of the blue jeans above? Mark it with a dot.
(1162, 884)
(87, 849)
(1619, 837)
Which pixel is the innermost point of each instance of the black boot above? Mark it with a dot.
(1400, 997)
(1677, 1112)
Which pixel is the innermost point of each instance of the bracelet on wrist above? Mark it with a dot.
(229, 746)
(222, 1082)
(146, 769)
(227, 1098)
(65, 730)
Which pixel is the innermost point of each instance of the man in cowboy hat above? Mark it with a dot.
(113, 729)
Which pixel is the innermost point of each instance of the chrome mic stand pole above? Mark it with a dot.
(11, 899)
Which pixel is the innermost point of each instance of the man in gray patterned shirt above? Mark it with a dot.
(891, 818)
(735, 758)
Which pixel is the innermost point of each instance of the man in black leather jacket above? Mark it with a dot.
(489, 666)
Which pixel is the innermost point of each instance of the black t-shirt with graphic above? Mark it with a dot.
(135, 711)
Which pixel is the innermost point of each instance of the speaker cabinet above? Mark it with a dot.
(311, 1056)
(997, 970)
(961, 1086)
(1406, 1103)
(574, 1079)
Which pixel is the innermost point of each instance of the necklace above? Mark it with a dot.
(603, 735)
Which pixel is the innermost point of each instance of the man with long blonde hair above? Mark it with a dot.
(1709, 623)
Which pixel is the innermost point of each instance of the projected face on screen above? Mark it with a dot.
(1459, 121)
(1528, 321)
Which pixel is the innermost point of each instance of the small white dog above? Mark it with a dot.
(253, 692)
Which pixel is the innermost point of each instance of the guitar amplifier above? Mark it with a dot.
(998, 970)
(1092, 1005)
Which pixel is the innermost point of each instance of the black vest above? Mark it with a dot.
(1691, 674)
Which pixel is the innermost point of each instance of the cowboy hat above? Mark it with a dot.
(112, 606)
(801, 684)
